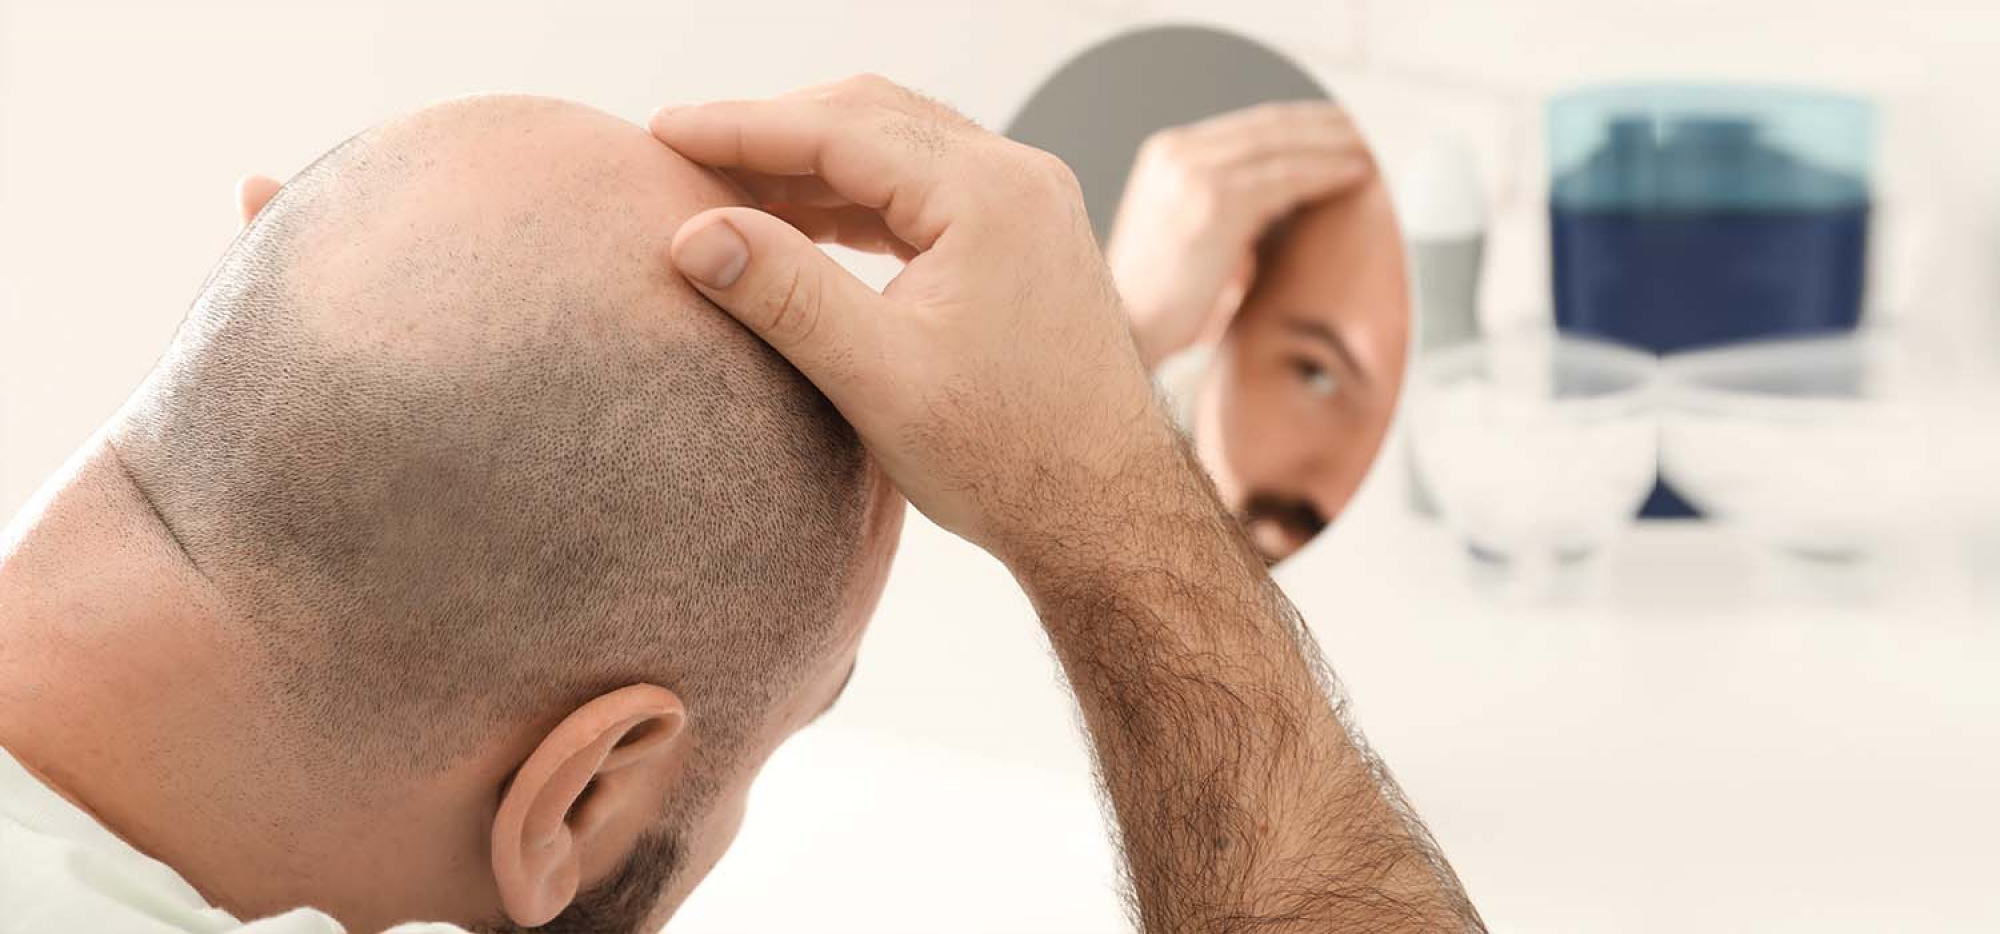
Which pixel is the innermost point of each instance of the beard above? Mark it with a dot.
(622, 903)
(1296, 517)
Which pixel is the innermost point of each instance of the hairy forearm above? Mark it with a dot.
(1243, 799)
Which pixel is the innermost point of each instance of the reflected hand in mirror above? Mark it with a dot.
(1264, 238)
(1199, 198)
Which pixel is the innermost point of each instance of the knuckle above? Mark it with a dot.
(866, 86)
(1034, 176)
(1055, 172)
(922, 134)
(1165, 143)
(793, 312)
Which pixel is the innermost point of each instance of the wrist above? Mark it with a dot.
(1155, 518)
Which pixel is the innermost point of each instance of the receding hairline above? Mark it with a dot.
(496, 169)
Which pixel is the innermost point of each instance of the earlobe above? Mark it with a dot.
(581, 798)
(252, 193)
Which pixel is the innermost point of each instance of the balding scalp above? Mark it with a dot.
(461, 451)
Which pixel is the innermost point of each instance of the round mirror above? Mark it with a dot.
(1253, 241)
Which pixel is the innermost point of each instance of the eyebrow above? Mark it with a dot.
(1308, 327)
(844, 682)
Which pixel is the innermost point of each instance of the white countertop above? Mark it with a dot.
(1700, 745)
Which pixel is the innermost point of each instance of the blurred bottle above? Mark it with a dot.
(1443, 212)
(1692, 216)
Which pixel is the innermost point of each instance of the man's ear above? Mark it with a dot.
(252, 193)
(581, 799)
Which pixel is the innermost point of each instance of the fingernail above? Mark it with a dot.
(714, 255)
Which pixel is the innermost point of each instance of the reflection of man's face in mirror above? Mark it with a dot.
(1305, 380)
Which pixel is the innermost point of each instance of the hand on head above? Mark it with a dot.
(997, 383)
(994, 379)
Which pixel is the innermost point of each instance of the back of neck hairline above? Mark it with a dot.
(91, 561)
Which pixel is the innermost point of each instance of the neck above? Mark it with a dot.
(124, 687)
(130, 688)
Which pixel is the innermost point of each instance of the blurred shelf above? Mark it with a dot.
(1708, 739)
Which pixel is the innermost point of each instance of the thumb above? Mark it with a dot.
(773, 279)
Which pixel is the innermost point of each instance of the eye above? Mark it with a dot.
(1317, 380)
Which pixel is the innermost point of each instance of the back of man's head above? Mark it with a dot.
(458, 451)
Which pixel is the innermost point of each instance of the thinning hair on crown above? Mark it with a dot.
(454, 469)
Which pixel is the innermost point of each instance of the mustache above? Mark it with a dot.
(1290, 512)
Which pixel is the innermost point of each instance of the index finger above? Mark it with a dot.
(875, 157)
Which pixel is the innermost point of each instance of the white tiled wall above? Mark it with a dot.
(122, 125)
